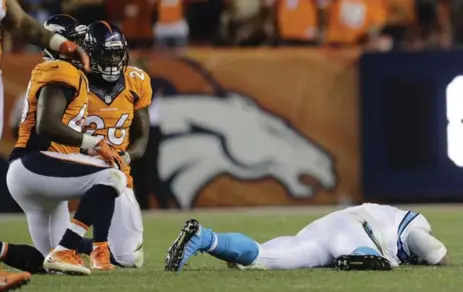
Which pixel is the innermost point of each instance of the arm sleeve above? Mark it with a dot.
(426, 246)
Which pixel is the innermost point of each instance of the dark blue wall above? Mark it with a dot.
(404, 127)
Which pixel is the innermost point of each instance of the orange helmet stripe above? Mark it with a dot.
(71, 17)
(107, 25)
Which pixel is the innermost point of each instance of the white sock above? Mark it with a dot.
(77, 228)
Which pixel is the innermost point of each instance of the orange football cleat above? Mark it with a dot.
(65, 261)
(10, 281)
(101, 257)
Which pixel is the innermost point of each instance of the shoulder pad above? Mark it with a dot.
(140, 83)
(56, 72)
(137, 74)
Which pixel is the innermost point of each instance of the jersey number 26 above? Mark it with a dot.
(116, 134)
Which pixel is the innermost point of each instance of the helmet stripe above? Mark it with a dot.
(67, 15)
(107, 25)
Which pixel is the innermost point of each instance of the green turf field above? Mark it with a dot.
(206, 274)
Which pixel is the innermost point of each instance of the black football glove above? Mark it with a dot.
(362, 263)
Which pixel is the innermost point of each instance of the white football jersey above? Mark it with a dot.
(396, 234)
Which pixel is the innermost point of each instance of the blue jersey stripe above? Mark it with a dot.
(401, 254)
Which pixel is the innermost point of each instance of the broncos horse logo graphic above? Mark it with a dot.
(220, 132)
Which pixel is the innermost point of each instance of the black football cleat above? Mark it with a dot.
(177, 255)
(362, 263)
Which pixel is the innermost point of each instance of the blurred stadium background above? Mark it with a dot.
(281, 102)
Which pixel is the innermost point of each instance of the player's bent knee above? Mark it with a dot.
(132, 260)
(113, 178)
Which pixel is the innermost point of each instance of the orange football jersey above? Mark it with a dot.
(45, 73)
(297, 19)
(170, 11)
(110, 112)
(350, 20)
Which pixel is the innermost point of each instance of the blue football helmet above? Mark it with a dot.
(68, 27)
(108, 50)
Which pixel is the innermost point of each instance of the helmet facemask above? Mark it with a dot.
(109, 60)
(78, 37)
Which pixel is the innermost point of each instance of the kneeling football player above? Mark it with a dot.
(118, 112)
(356, 238)
(46, 169)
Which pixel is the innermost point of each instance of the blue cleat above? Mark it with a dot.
(192, 239)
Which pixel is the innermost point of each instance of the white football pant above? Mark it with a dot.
(126, 232)
(317, 245)
(43, 182)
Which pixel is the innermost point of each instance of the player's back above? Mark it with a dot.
(382, 214)
(52, 72)
(112, 106)
(391, 226)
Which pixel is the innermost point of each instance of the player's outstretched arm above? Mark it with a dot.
(427, 248)
(22, 25)
(139, 133)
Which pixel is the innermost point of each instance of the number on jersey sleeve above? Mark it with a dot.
(137, 73)
(77, 122)
(143, 89)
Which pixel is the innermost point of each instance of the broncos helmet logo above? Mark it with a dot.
(209, 132)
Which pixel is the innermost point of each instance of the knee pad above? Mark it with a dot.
(114, 178)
